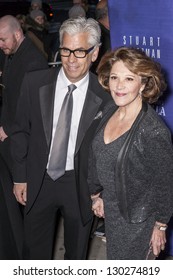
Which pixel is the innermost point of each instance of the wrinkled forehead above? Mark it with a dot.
(77, 40)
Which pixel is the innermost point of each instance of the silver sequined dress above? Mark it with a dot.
(124, 241)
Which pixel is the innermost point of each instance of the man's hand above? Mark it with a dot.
(19, 191)
(3, 135)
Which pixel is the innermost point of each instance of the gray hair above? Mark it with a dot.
(77, 25)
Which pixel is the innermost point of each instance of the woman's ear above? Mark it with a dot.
(141, 89)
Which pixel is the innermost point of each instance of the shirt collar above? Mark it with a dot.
(64, 81)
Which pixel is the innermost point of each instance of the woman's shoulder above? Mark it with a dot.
(157, 120)
(155, 124)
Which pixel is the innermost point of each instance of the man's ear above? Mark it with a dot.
(95, 54)
(18, 35)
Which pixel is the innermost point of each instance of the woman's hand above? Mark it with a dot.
(158, 239)
(97, 206)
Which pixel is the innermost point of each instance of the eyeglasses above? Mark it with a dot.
(77, 53)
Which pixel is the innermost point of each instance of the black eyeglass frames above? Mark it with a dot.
(79, 53)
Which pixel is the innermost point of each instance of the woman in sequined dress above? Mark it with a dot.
(131, 159)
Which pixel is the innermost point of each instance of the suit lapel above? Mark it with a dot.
(91, 106)
(47, 94)
(90, 109)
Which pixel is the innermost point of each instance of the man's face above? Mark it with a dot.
(8, 41)
(76, 68)
(35, 6)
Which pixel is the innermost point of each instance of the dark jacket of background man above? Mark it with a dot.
(24, 59)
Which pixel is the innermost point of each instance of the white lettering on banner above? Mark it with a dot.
(152, 53)
(160, 110)
(141, 41)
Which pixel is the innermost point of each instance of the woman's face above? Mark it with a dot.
(40, 20)
(124, 85)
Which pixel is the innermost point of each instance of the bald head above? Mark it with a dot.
(11, 34)
(10, 22)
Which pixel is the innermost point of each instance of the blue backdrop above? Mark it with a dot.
(148, 24)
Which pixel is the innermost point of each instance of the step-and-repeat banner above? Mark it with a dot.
(148, 24)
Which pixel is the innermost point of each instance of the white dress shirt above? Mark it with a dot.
(79, 95)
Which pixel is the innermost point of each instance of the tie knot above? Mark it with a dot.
(71, 88)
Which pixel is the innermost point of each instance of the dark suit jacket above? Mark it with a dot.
(27, 58)
(32, 134)
(2, 59)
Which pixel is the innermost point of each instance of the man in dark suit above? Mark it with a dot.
(21, 56)
(40, 106)
(2, 59)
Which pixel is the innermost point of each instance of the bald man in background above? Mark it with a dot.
(21, 56)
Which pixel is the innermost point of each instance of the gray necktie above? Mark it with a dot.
(57, 162)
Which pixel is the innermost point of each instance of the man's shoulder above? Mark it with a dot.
(94, 83)
(28, 50)
(98, 90)
(46, 75)
(28, 44)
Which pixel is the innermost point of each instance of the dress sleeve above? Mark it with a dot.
(161, 154)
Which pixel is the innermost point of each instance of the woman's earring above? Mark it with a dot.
(140, 93)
